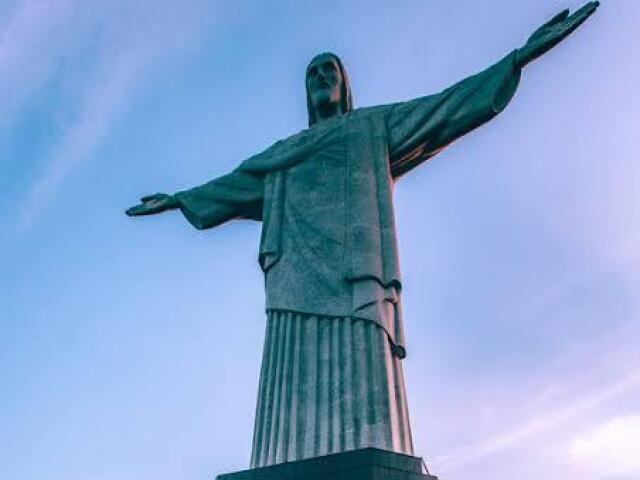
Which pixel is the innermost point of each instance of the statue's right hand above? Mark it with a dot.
(156, 203)
(553, 32)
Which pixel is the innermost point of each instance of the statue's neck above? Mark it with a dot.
(328, 111)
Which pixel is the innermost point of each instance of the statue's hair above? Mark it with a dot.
(345, 94)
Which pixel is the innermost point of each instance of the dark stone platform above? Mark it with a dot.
(365, 464)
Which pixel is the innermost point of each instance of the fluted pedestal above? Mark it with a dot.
(364, 464)
(328, 385)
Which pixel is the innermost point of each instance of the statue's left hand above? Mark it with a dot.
(553, 32)
(151, 204)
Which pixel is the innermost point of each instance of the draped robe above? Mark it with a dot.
(328, 252)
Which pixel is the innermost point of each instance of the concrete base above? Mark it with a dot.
(365, 464)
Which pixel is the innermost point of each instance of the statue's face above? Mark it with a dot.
(324, 81)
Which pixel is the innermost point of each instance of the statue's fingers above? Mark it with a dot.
(149, 198)
(588, 9)
(561, 17)
(139, 210)
(592, 6)
(133, 211)
(579, 17)
(555, 21)
(583, 13)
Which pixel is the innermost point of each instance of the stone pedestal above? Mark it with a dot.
(365, 464)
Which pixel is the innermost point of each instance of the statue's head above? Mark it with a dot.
(327, 86)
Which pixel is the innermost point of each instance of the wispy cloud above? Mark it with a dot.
(538, 424)
(121, 40)
(576, 384)
(611, 448)
(103, 101)
(32, 38)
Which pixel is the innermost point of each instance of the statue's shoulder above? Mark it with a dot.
(332, 124)
(373, 111)
(370, 116)
(325, 129)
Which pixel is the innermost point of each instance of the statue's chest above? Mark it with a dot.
(322, 178)
(343, 165)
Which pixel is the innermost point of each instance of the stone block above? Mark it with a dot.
(364, 464)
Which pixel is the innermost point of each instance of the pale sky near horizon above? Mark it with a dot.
(130, 349)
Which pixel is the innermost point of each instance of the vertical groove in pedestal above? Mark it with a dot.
(327, 385)
(358, 383)
(274, 406)
(401, 399)
(336, 434)
(310, 386)
(396, 431)
(294, 399)
(322, 406)
(346, 388)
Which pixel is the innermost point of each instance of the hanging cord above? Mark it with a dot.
(425, 466)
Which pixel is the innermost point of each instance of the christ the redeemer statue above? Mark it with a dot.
(332, 378)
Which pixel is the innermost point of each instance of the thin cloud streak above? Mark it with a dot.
(31, 40)
(611, 448)
(538, 424)
(554, 405)
(111, 82)
(104, 101)
(564, 394)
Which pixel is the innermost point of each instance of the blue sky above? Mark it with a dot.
(130, 348)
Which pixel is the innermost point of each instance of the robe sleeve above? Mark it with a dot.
(236, 195)
(241, 193)
(420, 128)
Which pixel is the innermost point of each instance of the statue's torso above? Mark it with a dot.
(311, 271)
(330, 220)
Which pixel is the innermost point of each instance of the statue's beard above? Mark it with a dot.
(325, 101)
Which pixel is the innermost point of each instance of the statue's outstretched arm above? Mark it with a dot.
(420, 128)
(236, 195)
